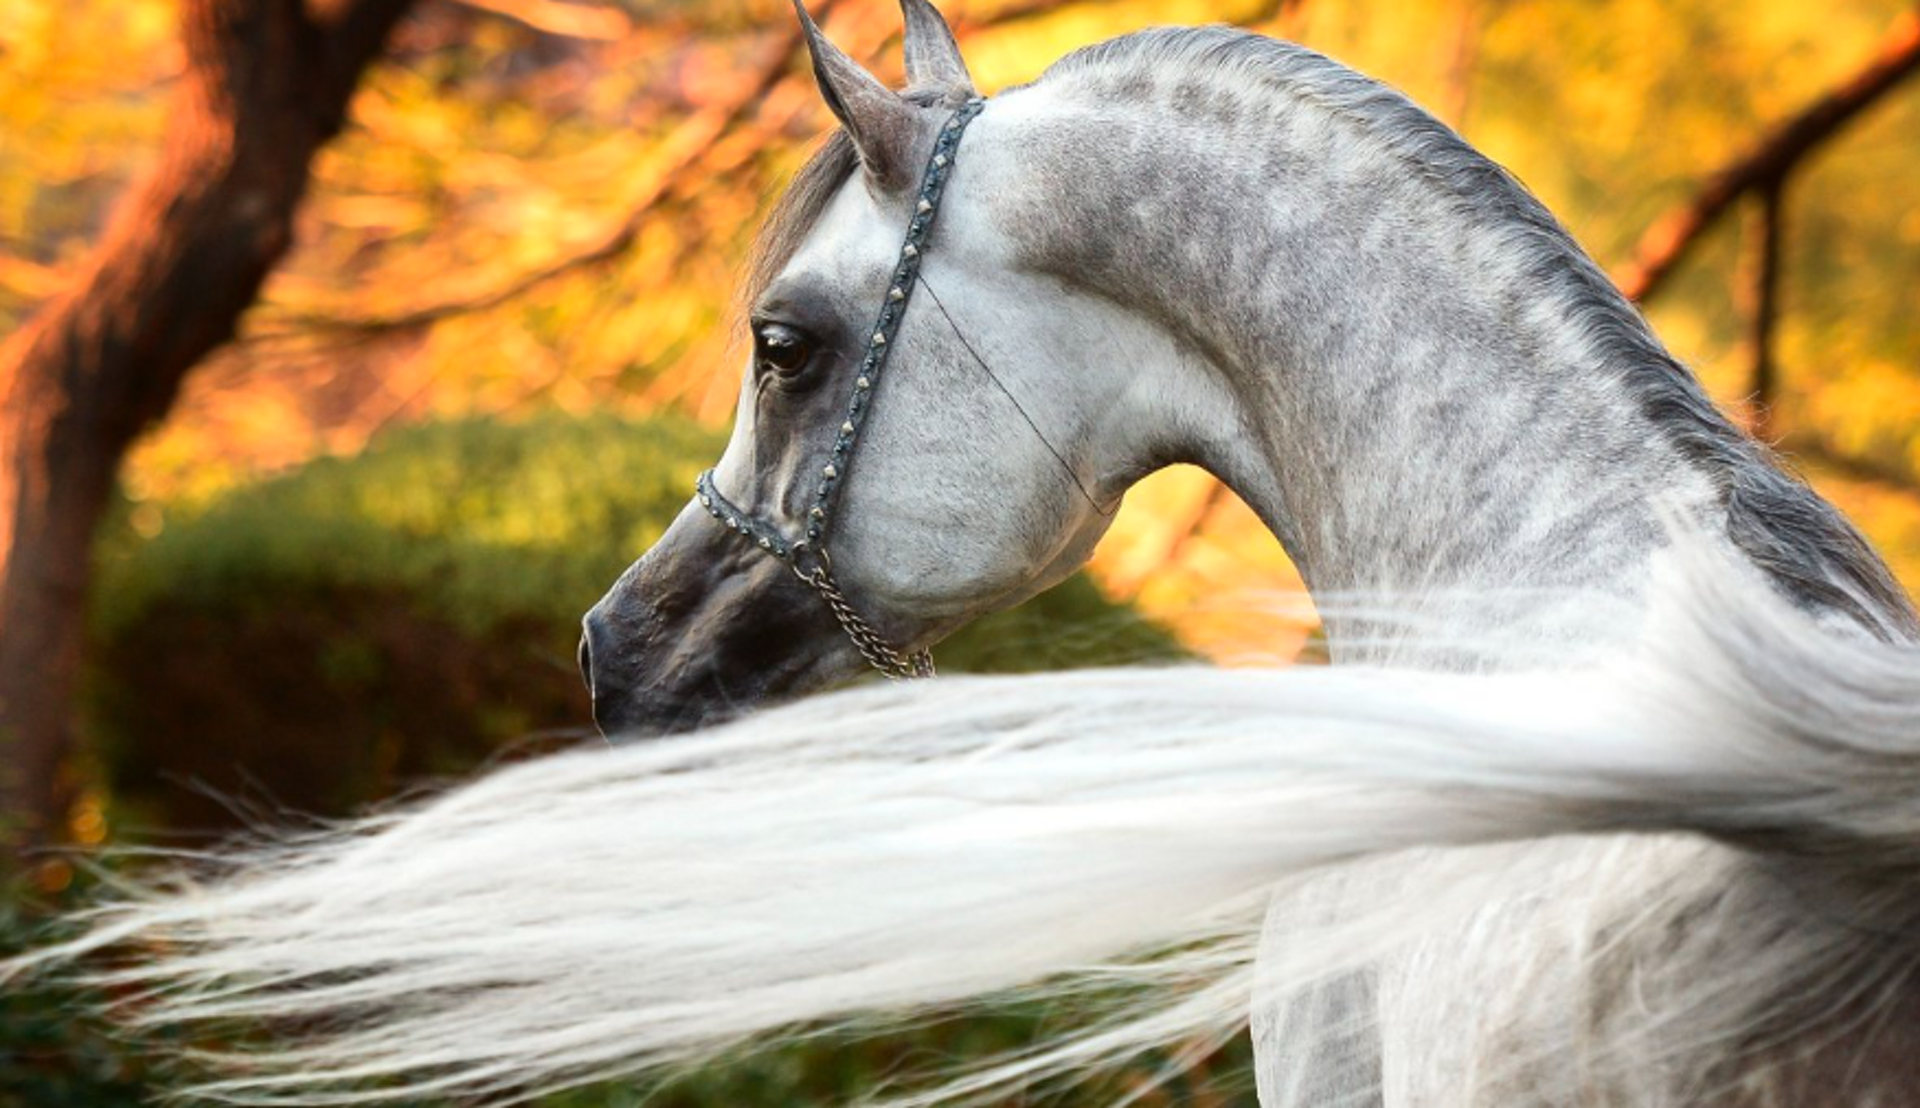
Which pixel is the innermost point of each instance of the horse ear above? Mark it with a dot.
(881, 123)
(933, 58)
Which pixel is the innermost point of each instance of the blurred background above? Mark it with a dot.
(350, 349)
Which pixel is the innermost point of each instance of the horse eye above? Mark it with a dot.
(780, 349)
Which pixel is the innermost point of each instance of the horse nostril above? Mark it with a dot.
(600, 668)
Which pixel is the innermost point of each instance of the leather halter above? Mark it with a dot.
(808, 555)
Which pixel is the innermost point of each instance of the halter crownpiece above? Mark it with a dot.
(808, 555)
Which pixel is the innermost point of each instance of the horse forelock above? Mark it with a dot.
(805, 200)
(797, 210)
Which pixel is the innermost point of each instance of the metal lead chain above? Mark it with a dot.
(872, 646)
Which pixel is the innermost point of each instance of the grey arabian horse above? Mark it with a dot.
(1614, 798)
(1207, 247)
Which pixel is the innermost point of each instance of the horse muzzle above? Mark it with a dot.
(701, 630)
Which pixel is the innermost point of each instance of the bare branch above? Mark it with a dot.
(1174, 538)
(1668, 240)
(686, 148)
(592, 22)
(966, 23)
(698, 137)
(1814, 449)
(1766, 310)
(29, 280)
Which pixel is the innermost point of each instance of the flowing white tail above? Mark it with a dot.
(614, 911)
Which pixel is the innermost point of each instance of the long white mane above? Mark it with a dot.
(900, 850)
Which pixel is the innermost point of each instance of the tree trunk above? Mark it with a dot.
(266, 84)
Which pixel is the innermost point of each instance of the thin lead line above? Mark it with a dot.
(1008, 393)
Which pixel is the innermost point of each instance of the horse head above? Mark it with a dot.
(907, 434)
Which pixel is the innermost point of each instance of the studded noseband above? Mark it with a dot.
(808, 555)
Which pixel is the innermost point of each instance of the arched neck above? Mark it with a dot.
(1416, 419)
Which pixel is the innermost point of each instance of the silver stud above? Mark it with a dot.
(896, 293)
(863, 383)
(706, 501)
(925, 206)
(829, 472)
(765, 545)
(846, 428)
(818, 513)
(879, 339)
(911, 251)
(940, 160)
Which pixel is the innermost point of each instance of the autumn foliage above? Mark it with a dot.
(539, 205)
(241, 240)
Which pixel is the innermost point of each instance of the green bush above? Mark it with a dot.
(320, 640)
(51, 1054)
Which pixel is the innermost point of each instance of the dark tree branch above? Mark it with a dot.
(1814, 449)
(602, 22)
(1766, 309)
(695, 140)
(1669, 239)
(691, 143)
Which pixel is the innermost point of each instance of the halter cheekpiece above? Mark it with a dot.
(808, 555)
